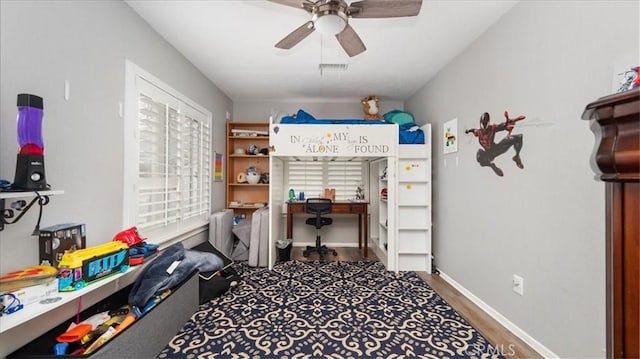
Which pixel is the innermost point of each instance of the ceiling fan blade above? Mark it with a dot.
(296, 36)
(384, 8)
(350, 41)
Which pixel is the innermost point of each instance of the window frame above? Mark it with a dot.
(184, 227)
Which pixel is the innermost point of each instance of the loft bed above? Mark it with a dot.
(326, 140)
(305, 138)
(408, 133)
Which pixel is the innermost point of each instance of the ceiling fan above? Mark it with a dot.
(331, 17)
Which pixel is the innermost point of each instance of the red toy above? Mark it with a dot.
(130, 237)
(139, 250)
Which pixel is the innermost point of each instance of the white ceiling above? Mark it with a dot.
(232, 43)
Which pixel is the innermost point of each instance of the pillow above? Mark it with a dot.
(398, 116)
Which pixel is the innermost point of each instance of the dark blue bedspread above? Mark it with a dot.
(407, 134)
(324, 121)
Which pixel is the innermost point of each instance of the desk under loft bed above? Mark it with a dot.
(400, 222)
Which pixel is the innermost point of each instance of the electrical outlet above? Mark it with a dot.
(518, 284)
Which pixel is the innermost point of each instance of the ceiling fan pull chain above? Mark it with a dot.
(321, 53)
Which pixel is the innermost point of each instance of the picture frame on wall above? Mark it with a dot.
(450, 136)
(218, 167)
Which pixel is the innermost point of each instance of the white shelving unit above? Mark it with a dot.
(383, 233)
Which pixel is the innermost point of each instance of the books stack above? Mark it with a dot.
(254, 133)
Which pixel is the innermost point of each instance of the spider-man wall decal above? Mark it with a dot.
(489, 148)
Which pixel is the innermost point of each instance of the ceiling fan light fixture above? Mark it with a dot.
(330, 24)
(331, 17)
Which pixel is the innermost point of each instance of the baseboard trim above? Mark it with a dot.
(517, 331)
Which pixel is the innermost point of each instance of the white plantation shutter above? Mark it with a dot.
(306, 176)
(172, 179)
(312, 177)
(345, 177)
(195, 165)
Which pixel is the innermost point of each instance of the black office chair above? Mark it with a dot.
(318, 206)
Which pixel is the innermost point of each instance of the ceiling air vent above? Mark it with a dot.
(332, 67)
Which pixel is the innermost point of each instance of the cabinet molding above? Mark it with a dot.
(616, 124)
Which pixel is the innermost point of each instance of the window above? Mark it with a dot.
(167, 159)
(312, 177)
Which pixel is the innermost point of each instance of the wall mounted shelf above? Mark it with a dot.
(35, 310)
(22, 207)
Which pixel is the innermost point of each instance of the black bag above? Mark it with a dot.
(215, 284)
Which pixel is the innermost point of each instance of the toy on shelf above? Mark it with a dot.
(371, 108)
(27, 277)
(54, 241)
(359, 193)
(84, 266)
(139, 249)
(630, 79)
(10, 304)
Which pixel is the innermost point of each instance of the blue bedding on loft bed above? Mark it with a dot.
(407, 133)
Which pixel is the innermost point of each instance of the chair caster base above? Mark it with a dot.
(322, 251)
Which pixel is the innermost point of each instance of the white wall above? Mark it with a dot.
(546, 60)
(43, 44)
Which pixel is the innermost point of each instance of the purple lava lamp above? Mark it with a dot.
(30, 162)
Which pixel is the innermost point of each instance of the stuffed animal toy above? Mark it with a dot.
(371, 108)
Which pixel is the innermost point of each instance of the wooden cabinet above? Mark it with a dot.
(616, 122)
(242, 197)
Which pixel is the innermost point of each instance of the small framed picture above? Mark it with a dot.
(218, 167)
(450, 136)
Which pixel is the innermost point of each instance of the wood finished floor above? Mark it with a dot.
(510, 345)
